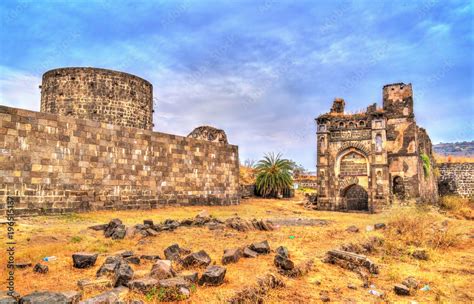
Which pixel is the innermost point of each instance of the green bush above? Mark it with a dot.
(274, 174)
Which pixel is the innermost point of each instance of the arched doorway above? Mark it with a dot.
(356, 198)
(398, 188)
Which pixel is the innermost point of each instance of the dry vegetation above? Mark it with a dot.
(448, 240)
(453, 159)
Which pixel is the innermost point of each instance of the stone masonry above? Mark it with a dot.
(367, 159)
(456, 178)
(55, 163)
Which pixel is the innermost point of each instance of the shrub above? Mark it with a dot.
(426, 164)
(458, 206)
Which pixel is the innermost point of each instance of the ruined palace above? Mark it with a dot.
(92, 147)
(368, 160)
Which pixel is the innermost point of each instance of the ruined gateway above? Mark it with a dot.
(92, 147)
(368, 160)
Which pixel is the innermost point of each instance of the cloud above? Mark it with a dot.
(19, 89)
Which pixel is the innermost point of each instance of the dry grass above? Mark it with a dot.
(459, 207)
(247, 175)
(453, 159)
(450, 278)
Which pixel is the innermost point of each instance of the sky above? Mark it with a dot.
(260, 70)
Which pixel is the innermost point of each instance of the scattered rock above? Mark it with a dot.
(231, 256)
(350, 260)
(73, 297)
(283, 251)
(6, 298)
(213, 276)
(119, 232)
(148, 223)
(84, 259)
(174, 289)
(353, 229)
(401, 290)
(22, 265)
(200, 258)
(123, 274)
(40, 268)
(162, 270)
(109, 266)
(110, 229)
(42, 297)
(283, 263)
(379, 226)
(174, 252)
(123, 253)
(257, 292)
(143, 285)
(411, 283)
(115, 295)
(100, 227)
(190, 276)
(260, 247)
(420, 254)
(133, 260)
(87, 284)
(150, 257)
(238, 224)
(249, 253)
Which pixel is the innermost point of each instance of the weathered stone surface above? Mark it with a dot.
(283, 251)
(190, 276)
(88, 284)
(148, 223)
(73, 297)
(174, 252)
(401, 290)
(162, 269)
(42, 297)
(119, 232)
(283, 262)
(5, 298)
(209, 134)
(111, 227)
(200, 258)
(261, 247)
(112, 296)
(249, 253)
(123, 274)
(40, 268)
(256, 293)
(84, 259)
(22, 265)
(133, 260)
(150, 257)
(379, 226)
(231, 255)
(99, 227)
(411, 283)
(174, 282)
(353, 229)
(213, 276)
(350, 260)
(143, 285)
(124, 253)
(174, 289)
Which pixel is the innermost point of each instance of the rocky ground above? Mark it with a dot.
(274, 251)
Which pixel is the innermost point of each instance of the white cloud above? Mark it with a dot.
(19, 89)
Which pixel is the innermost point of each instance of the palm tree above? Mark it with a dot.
(274, 174)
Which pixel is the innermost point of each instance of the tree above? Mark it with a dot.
(274, 174)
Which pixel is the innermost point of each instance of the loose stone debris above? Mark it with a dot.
(40, 268)
(257, 292)
(84, 259)
(213, 276)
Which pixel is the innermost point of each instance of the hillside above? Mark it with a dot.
(465, 148)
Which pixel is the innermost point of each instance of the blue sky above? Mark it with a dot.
(260, 70)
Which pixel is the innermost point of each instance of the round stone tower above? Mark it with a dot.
(98, 94)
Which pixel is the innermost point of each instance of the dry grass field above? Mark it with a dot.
(447, 237)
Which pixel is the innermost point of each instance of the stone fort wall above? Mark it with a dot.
(52, 164)
(98, 94)
(456, 178)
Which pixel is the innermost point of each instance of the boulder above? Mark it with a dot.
(238, 224)
(143, 285)
(133, 260)
(6, 298)
(123, 274)
(231, 256)
(213, 276)
(283, 251)
(123, 253)
(84, 259)
(401, 290)
(42, 297)
(115, 295)
(148, 223)
(109, 230)
(110, 265)
(150, 257)
(249, 253)
(379, 226)
(22, 265)
(200, 258)
(100, 227)
(350, 260)
(162, 270)
(119, 232)
(87, 284)
(353, 229)
(411, 283)
(174, 252)
(261, 247)
(190, 276)
(40, 268)
(73, 297)
(283, 263)
(174, 289)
